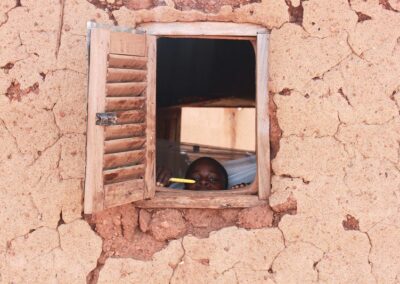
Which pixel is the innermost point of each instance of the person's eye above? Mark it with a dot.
(212, 179)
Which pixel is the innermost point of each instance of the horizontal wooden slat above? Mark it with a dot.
(133, 89)
(202, 28)
(123, 192)
(123, 174)
(125, 75)
(250, 189)
(130, 116)
(126, 61)
(129, 44)
(249, 38)
(115, 104)
(123, 159)
(179, 200)
(125, 144)
(124, 131)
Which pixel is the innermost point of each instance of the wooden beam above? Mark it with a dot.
(202, 29)
(169, 200)
(150, 178)
(250, 189)
(214, 37)
(94, 192)
(263, 148)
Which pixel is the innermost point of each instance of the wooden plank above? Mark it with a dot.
(130, 116)
(124, 131)
(123, 159)
(168, 200)
(125, 75)
(263, 150)
(94, 194)
(125, 144)
(250, 189)
(214, 37)
(127, 61)
(123, 174)
(122, 193)
(124, 103)
(220, 102)
(128, 44)
(150, 179)
(202, 28)
(126, 89)
(233, 128)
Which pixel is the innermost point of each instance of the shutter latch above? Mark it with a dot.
(106, 118)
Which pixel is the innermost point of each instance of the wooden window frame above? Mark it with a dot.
(258, 192)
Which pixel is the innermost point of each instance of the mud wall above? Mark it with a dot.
(334, 79)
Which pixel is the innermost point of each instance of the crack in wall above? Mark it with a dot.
(232, 268)
(393, 98)
(351, 223)
(9, 251)
(386, 5)
(294, 177)
(352, 49)
(108, 8)
(315, 266)
(180, 261)
(371, 264)
(342, 94)
(93, 275)
(17, 4)
(40, 153)
(60, 27)
(12, 136)
(361, 16)
(270, 268)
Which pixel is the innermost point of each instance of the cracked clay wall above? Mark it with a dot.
(334, 79)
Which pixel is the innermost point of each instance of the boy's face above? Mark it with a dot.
(207, 176)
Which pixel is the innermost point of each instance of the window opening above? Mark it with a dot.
(122, 99)
(205, 108)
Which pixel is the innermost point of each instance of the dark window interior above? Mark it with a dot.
(191, 70)
(200, 72)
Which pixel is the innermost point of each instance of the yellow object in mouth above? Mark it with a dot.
(182, 180)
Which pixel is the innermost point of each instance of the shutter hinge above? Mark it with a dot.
(106, 118)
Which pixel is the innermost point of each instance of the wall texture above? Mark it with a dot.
(334, 78)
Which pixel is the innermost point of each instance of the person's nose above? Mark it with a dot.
(204, 182)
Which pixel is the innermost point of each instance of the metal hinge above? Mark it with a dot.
(106, 118)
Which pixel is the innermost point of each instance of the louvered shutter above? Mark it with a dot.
(121, 119)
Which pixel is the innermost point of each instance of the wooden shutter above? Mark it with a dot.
(120, 152)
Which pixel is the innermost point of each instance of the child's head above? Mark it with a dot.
(208, 174)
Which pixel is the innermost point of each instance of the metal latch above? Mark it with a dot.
(106, 118)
